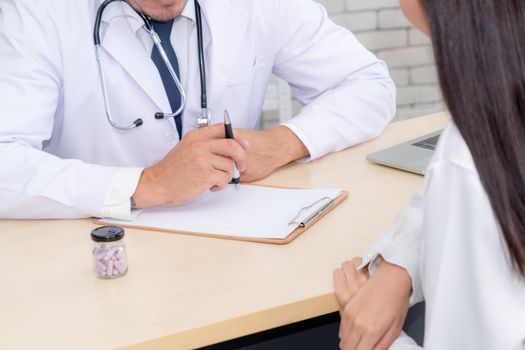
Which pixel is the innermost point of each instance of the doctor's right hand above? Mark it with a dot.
(202, 160)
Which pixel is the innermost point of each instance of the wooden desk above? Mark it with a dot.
(186, 292)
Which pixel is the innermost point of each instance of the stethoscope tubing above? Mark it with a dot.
(202, 64)
(158, 44)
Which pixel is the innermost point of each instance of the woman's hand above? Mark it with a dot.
(373, 309)
(347, 281)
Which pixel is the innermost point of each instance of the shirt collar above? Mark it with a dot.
(136, 22)
(189, 11)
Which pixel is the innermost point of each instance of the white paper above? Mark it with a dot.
(251, 211)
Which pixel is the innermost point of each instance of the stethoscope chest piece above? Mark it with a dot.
(203, 118)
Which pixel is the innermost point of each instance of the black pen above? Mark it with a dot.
(229, 135)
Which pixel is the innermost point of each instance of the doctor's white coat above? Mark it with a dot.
(58, 153)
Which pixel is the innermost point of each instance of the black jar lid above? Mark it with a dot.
(107, 234)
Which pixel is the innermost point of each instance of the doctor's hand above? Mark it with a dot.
(201, 161)
(373, 309)
(268, 150)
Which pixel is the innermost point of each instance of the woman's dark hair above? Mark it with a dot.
(479, 47)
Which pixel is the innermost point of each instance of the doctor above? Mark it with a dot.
(60, 157)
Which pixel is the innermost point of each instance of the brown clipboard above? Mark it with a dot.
(296, 233)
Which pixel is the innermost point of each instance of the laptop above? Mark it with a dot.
(413, 156)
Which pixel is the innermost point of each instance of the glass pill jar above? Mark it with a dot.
(109, 252)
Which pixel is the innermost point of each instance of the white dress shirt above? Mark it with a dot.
(450, 243)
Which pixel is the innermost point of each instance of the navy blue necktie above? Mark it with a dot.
(163, 29)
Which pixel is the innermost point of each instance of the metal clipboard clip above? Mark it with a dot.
(304, 222)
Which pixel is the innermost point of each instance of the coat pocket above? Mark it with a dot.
(244, 74)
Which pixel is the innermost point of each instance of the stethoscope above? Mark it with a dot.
(203, 117)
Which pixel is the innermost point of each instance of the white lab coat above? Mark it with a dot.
(58, 153)
(450, 243)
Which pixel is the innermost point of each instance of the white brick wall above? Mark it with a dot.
(381, 26)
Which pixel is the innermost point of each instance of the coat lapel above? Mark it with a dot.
(226, 24)
(225, 28)
(119, 41)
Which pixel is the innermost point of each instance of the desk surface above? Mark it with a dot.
(186, 292)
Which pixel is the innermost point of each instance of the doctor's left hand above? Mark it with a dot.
(268, 150)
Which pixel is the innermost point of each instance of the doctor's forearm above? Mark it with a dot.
(354, 111)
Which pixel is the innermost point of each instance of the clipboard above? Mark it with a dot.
(301, 222)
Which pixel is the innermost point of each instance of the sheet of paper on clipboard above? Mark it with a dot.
(254, 213)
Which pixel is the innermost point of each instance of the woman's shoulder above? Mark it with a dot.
(453, 149)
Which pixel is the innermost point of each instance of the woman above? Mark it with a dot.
(460, 246)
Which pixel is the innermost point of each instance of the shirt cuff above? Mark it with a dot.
(305, 140)
(371, 264)
(398, 254)
(404, 342)
(117, 204)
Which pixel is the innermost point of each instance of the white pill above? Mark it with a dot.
(101, 267)
(100, 250)
(109, 269)
(121, 266)
(119, 254)
(110, 252)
